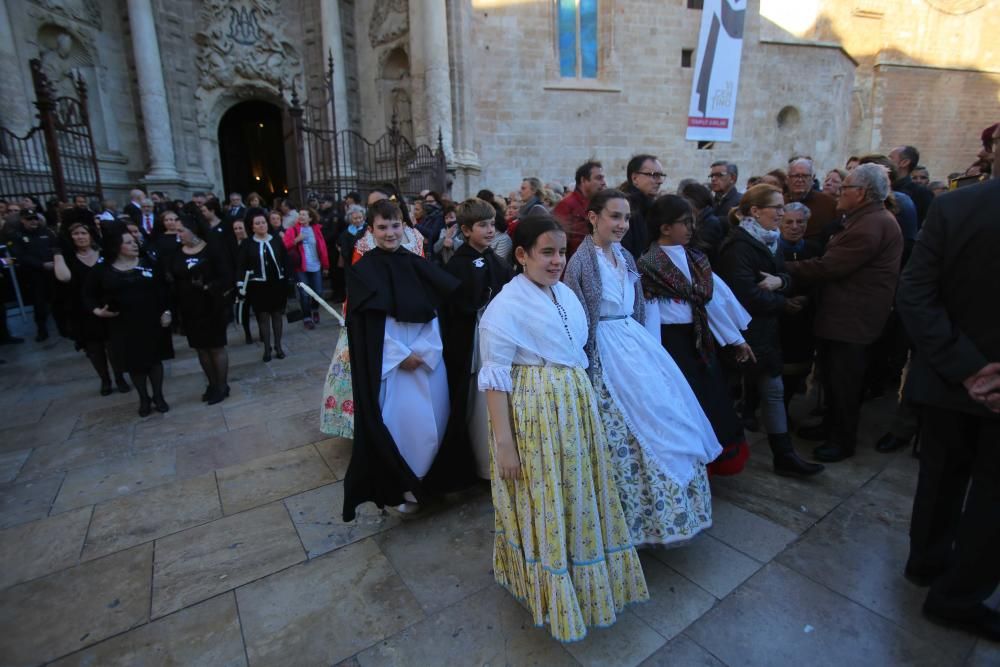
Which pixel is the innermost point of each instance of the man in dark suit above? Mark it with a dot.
(147, 217)
(722, 177)
(133, 208)
(948, 302)
(236, 209)
(906, 159)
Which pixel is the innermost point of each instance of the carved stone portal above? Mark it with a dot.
(390, 21)
(243, 43)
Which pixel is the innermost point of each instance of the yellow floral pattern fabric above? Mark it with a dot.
(562, 545)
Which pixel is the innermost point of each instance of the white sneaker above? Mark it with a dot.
(408, 508)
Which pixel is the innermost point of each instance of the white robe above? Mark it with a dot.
(405, 396)
(645, 383)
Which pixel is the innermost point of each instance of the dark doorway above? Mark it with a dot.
(252, 148)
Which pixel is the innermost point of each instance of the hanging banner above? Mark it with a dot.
(717, 77)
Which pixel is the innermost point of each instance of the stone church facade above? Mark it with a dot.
(827, 78)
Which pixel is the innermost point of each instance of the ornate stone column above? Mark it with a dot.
(333, 42)
(13, 84)
(152, 92)
(431, 73)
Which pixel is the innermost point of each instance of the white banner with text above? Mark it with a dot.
(717, 77)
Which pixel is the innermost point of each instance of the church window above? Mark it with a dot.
(577, 22)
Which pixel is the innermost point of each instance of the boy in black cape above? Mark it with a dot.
(483, 274)
(395, 295)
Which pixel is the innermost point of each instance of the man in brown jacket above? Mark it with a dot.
(857, 274)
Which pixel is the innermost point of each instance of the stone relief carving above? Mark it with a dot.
(243, 42)
(62, 60)
(85, 11)
(390, 21)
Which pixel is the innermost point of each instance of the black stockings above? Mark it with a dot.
(97, 352)
(268, 323)
(215, 363)
(155, 376)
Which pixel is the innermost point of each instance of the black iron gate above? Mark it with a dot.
(56, 158)
(332, 161)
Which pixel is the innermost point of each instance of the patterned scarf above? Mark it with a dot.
(769, 237)
(662, 280)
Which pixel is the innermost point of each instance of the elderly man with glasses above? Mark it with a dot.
(857, 276)
(722, 178)
(823, 207)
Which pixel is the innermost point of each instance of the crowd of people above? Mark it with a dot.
(597, 354)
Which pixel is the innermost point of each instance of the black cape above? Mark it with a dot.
(482, 276)
(410, 289)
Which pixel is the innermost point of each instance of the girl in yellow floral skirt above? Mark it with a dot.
(562, 546)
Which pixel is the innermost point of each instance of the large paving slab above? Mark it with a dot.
(713, 565)
(142, 517)
(205, 635)
(273, 477)
(628, 642)
(674, 602)
(11, 464)
(54, 428)
(46, 618)
(77, 452)
(318, 518)
(487, 628)
(38, 548)
(684, 652)
(747, 532)
(204, 453)
(337, 454)
(859, 551)
(21, 502)
(325, 610)
(102, 481)
(462, 534)
(202, 562)
(780, 617)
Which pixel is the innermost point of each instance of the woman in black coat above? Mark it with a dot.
(261, 263)
(203, 284)
(750, 264)
(129, 293)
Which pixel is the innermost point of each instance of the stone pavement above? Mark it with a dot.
(211, 536)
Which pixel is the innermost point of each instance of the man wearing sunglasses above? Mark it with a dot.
(643, 178)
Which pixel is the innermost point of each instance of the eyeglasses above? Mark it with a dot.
(720, 174)
(799, 177)
(655, 175)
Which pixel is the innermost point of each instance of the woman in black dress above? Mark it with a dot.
(164, 241)
(203, 285)
(131, 295)
(74, 260)
(261, 265)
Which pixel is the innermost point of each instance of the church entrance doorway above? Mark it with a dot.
(251, 145)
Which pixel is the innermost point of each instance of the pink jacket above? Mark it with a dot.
(289, 240)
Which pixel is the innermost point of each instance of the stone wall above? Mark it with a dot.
(529, 122)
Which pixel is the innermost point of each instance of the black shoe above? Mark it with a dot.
(831, 453)
(789, 464)
(249, 339)
(819, 432)
(890, 443)
(123, 386)
(42, 336)
(278, 352)
(106, 388)
(208, 392)
(217, 396)
(267, 354)
(922, 578)
(11, 340)
(144, 407)
(985, 624)
(751, 424)
(161, 405)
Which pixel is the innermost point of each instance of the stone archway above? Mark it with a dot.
(251, 149)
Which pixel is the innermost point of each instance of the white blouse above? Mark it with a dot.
(726, 317)
(522, 326)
